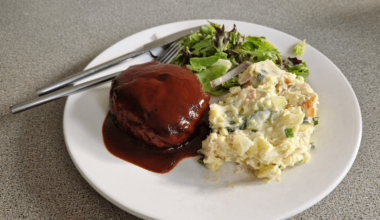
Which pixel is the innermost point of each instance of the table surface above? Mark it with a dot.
(44, 41)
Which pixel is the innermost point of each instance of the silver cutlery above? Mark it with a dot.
(85, 73)
(165, 57)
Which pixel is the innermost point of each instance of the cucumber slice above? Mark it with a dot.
(279, 102)
(256, 120)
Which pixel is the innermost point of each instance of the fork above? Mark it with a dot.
(165, 57)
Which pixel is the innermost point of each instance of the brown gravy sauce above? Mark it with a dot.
(160, 160)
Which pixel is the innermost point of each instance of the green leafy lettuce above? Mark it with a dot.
(207, 75)
(213, 51)
(199, 63)
(212, 72)
(299, 70)
(299, 48)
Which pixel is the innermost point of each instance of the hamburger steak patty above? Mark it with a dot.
(159, 104)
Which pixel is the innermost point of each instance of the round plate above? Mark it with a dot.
(190, 191)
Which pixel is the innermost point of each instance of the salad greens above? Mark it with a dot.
(298, 49)
(299, 70)
(212, 51)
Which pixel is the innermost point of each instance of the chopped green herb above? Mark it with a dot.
(201, 161)
(230, 129)
(279, 166)
(289, 132)
(270, 116)
(244, 124)
(253, 130)
(312, 145)
(301, 161)
(232, 122)
(315, 120)
(260, 106)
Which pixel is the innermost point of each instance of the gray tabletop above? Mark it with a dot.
(43, 41)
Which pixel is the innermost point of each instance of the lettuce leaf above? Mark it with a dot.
(218, 69)
(231, 83)
(258, 49)
(199, 63)
(201, 45)
(207, 29)
(209, 74)
(299, 70)
(298, 49)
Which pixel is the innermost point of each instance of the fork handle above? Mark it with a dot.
(85, 73)
(62, 93)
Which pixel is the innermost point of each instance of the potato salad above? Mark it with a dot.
(264, 125)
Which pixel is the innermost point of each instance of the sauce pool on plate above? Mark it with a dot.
(160, 160)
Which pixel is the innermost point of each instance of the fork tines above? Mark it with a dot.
(169, 54)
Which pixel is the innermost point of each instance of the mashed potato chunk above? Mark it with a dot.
(264, 126)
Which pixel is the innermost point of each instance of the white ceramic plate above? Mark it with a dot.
(190, 191)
